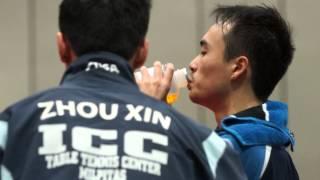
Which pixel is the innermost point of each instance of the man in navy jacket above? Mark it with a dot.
(97, 125)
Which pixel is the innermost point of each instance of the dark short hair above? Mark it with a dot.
(117, 26)
(264, 37)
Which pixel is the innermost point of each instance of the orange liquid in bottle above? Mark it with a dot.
(172, 97)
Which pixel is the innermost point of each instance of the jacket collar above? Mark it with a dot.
(271, 111)
(100, 66)
(256, 112)
(260, 125)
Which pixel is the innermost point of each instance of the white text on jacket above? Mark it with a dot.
(103, 111)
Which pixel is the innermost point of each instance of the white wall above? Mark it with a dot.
(48, 69)
(14, 69)
(30, 63)
(304, 85)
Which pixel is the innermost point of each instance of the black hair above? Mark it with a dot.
(264, 37)
(117, 26)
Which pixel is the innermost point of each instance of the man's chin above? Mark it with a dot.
(198, 99)
(193, 97)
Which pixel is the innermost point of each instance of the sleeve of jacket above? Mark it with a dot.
(223, 160)
(253, 158)
(215, 156)
(4, 119)
(3, 135)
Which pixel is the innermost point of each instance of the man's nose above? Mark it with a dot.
(192, 65)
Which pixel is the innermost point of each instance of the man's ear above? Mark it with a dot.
(141, 55)
(67, 55)
(240, 66)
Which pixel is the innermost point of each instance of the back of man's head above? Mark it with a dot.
(117, 26)
(263, 36)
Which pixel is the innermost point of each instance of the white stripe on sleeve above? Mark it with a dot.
(214, 148)
(3, 134)
(5, 174)
(267, 153)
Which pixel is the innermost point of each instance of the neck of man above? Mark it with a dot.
(235, 102)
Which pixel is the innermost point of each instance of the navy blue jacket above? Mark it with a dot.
(97, 125)
(260, 135)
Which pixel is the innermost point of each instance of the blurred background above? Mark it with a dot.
(29, 61)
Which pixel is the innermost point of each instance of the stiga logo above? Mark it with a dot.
(105, 66)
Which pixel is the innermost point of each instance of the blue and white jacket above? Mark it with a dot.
(97, 125)
(260, 135)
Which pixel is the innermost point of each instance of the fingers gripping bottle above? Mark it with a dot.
(179, 80)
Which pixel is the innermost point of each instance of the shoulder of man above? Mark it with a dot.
(264, 161)
(280, 166)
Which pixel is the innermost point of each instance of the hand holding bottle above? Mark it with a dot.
(161, 82)
(156, 81)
